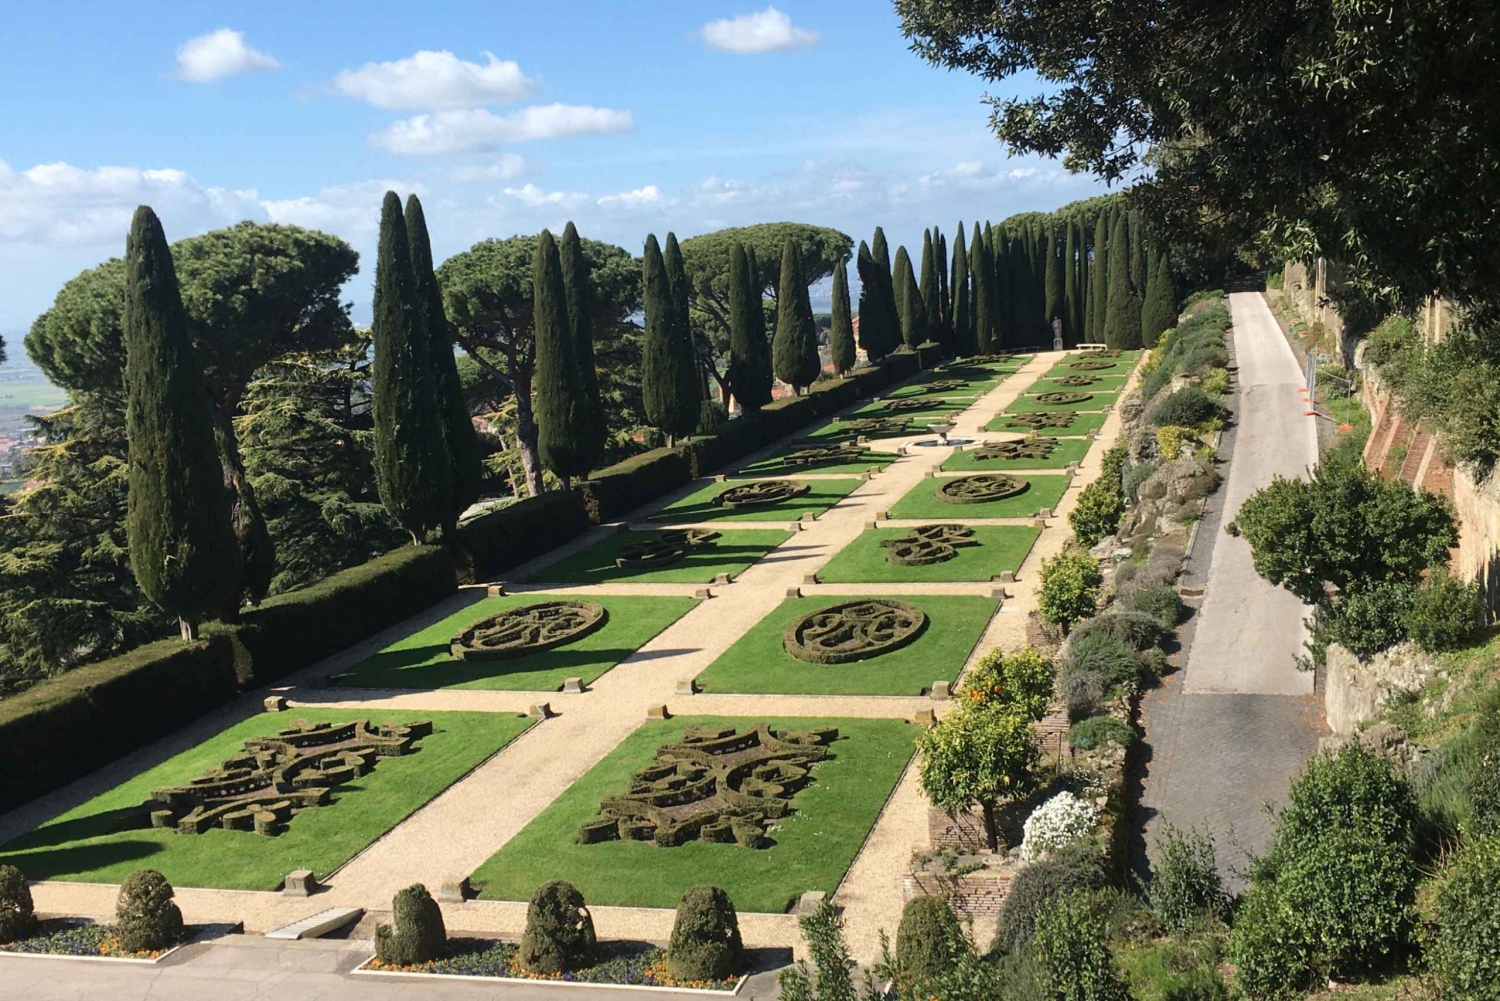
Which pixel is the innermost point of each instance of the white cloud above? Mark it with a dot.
(639, 198)
(475, 129)
(535, 197)
(435, 80)
(768, 30)
(349, 210)
(503, 169)
(973, 175)
(60, 205)
(219, 54)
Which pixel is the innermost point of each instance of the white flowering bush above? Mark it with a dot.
(1062, 819)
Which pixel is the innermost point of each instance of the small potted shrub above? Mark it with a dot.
(705, 942)
(559, 930)
(418, 935)
(145, 917)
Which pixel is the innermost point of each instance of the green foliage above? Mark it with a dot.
(976, 755)
(1020, 680)
(1098, 512)
(1069, 589)
(1075, 959)
(909, 301)
(1466, 952)
(669, 376)
(831, 977)
(1453, 385)
(17, 913)
(794, 349)
(559, 932)
(877, 332)
(418, 935)
(578, 286)
(1350, 790)
(1100, 652)
(182, 547)
(1366, 621)
(1083, 690)
(1445, 613)
(1098, 730)
(1270, 960)
(986, 310)
(1052, 281)
(411, 459)
(705, 942)
(146, 920)
(926, 941)
(1185, 882)
(1122, 318)
(749, 351)
(930, 288)
(1160, 601)
(1215, 382)
(1482, 782)
(841, 332)
(1159, 311)
(961, 310)
(1188, 407)
(1073, 285)
(564, 420)
(1134, 477)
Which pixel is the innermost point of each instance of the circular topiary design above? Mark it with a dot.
(823, 455)
(876, 427)
(854, 630)
(1076, 380)
(896, 406)
(1026, 448)
(1063, 399)
(941, 386)
(982, 489)
(1091, 366)
(665, 549)
(528, 629)
(928, 544)
(1040, 422)
(761, 493)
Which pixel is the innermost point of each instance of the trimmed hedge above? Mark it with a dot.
(501, 539)
(610, 492)
(64, 728)
(787, 415)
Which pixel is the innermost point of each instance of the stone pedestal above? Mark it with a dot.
(940, 691)
(573, 686)
(275, 704)
(299, 883)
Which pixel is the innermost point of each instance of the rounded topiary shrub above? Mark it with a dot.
(17, 914)
(559, 930)
(705, 941)
(1188, 407)
(1467, 953)
(1069, 869)
(925, 941)
(145, 917)
(418, 934)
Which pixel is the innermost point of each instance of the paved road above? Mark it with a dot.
(1224, 736)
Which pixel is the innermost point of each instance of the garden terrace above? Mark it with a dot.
(1063, 400)
(730, 551)
(819, 457)
(811, 497)
(928, 499)
(993, 550)
(1039, 451)
(1056, 424)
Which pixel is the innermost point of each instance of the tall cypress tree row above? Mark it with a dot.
(1122, 322)
(981, 276)
(411, 459)
(749, 355)
(1099, 278)
(459, 436)
(960, 307)
(669, 377)
(1081, 277)
(562, 414)
(930, 290)
(1138, 275)
(841, 332)
(578, 284)
(762, 344)
(873, 335)
(945, 297)
(794, 350)
(1160, 309)
(183, 550)
(1052, 266)
(1071, 306)
(909, 302)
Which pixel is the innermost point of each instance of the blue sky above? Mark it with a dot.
(505, 117)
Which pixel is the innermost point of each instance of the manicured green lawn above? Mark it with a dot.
(422, 660)
(939, 408)
(1065, 451)
(771, 465)
(87, 843)
(758, 664)
(1103, 383)
(698, 506)
(1121, 366)
(965, 392)
(837, 431)
(1095, 401)
(731, 553)
(922, 501)
(863, 561)
(812, 849)
(1081, 424)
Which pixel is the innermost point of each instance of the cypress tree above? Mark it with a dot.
(1137, 235)
(982, 276)
(459, 436)
(1099, 278)
(841, 332)
(579, 288)
(562, 414)
(183, 550)
(1122, 321)
(757, 311)
(1071, 306)
(669, 382)
(872, 316)
(960, 309)
(794, 350)
(880, 251)
(932, 311)
(411, 459)
(945, 296)
(749, 374)
(1081, 278)
(1052, 265)
(1160, 309)
(909, 302)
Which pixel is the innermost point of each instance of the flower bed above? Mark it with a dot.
(622, 964)
(77, 937)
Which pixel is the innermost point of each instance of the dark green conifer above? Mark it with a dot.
(411, 460)
(981, 277)
(1122, 322)
(931, 291)
(794, 350)
(749, 355)
(841, 331)
(960, 308)
(1138, 268)
(758, 308)
(459, 436)
(945, 297)
(1099, 278)
(1159, 311)
(183, 549)
(562, 415)
(578, 284)
(1054, 306)
(909, 302)
(1080, 278)
(873, 323)
(669, 380)
(1071, 306)
(880, 251)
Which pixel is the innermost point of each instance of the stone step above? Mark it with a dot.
(317, 925)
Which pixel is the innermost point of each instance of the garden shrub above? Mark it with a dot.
(1061, 820)
(1171, 439)
(1069, 588)
(559, 934)
(705, 942)
(146, 920)
(1215, 382)
(1466, 952)
(1076, 868)
(1099, 652)
(1365, 621)
(1083, 691)
(1137, 475)
(1445, 613)
(614, 490)
(1074, 957)
(1112, 467)
(1185, 882)
(17, 913)
(1090, 733)
(926, 941)
(1482, 783)
(1098, 512)
(1271, 961)
(1023, 679)
(419, 934)
(1137, 630)
(1187, 407)
(1160, 601)
(496, 541)
(1198, 984)
(1351, 789)
(830, 978)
